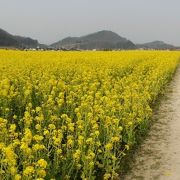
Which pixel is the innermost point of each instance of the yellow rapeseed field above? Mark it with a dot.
(75, 115)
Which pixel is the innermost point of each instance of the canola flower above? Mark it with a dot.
(75, 115)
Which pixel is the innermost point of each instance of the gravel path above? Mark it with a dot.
(158, 158)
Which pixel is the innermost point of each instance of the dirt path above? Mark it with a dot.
(158, 158)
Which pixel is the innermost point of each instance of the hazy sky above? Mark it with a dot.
(51, 20)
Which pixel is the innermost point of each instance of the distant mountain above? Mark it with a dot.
(99, 40)
(156, 45)
(102, 40)
(9, 40)
(26, 41)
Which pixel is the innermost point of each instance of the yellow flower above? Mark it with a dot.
(40, 118)
(130, 123)
(63, 106)
(114, 158)
(90, 155)
(27, 136)
(29, 170)
(27, 118)
(52, 126)
(91, 164)
(70, 143)
(107, 176)
(79, 166)
(109, 146)
(27, 92)
(71, 127)
(89, 141)
(10, 155)
(77, 155)
(127, 147)
(80, 139)
(42, 163)
(59, 151)
(41, 173)
(17, 177)
(115, 139)
(97, 133)
(2, 145)
(38, 147)
(38, 138)
(38, 126)
(38, 109)
(13, 170)
(14, 117)
(46, 132)
(12, 128)
(25, 148)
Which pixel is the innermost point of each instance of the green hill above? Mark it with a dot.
(99, 40)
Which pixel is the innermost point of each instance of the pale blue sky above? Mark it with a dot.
(51, 20)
